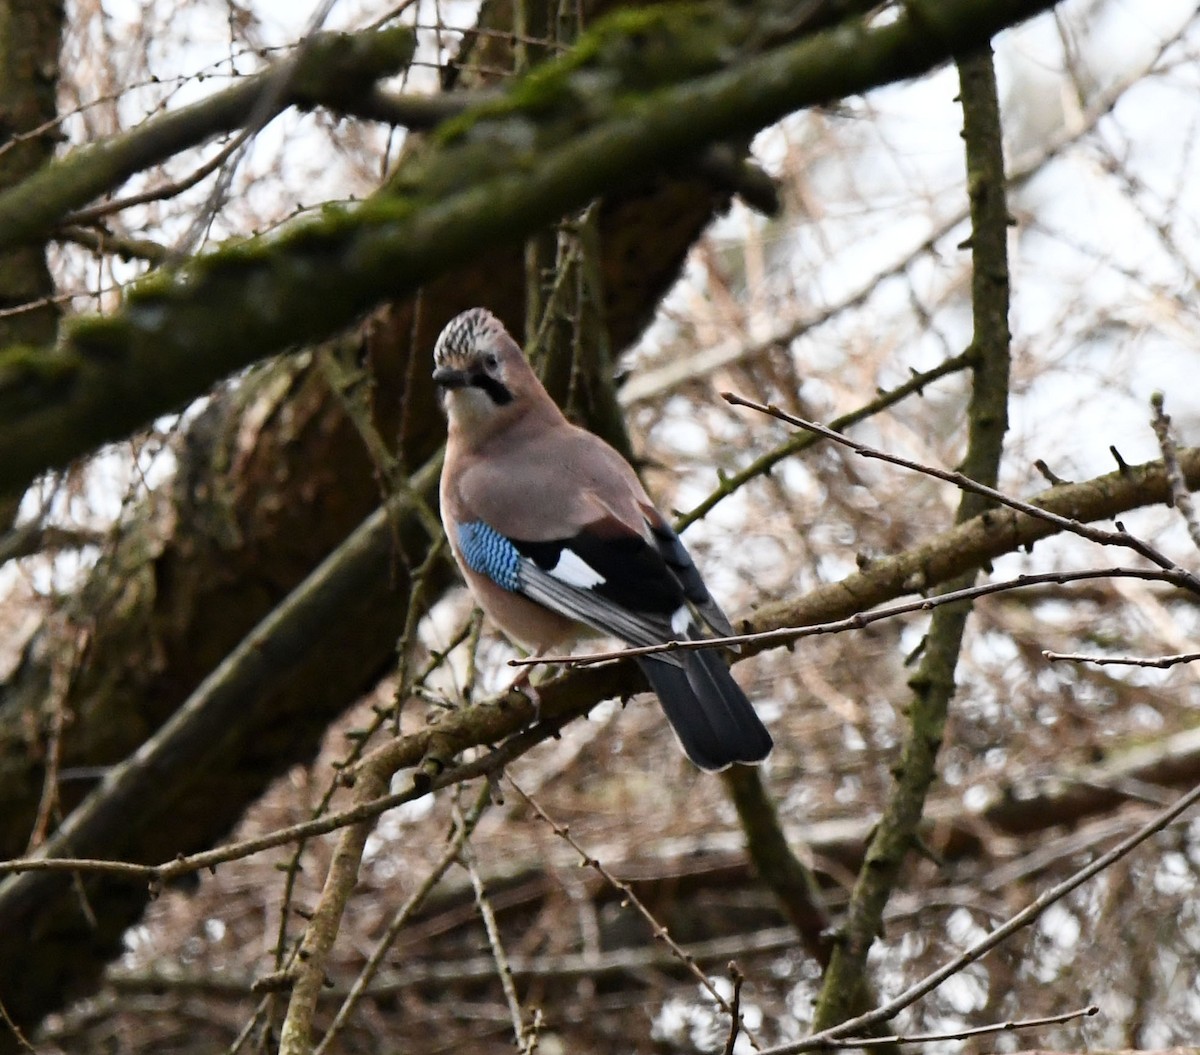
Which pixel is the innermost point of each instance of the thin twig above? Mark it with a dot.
(762, 465)
(1160, 662)
(418, 606)
(735, 1003)
(520, 1034)
(1161, 423)
(15, 1029)
(62, 674)
(966, 1034)
(243, 1036)
(172, 189)
(265, 110)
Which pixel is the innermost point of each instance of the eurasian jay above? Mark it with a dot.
(552, 529)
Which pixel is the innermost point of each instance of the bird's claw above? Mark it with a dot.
(535, 698)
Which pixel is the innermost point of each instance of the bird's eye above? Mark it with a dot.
(490, 361)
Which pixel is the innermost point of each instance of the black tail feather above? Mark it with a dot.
(710, 714)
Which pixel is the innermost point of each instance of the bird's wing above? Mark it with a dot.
(604, 576)
(584, 536)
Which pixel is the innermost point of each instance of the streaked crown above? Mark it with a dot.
(466, 336)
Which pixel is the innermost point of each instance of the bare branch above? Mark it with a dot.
(524, 1039)
(1120, 537)
(967, 1034)
(15, 1030)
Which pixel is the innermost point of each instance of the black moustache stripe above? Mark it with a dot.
(498, 394)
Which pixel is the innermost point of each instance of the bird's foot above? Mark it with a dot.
(523, 684)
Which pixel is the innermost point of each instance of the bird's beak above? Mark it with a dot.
(447, 377)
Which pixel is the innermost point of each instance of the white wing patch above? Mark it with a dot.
(681, 621)
(575, 571)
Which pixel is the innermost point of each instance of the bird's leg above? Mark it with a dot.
(523, 683)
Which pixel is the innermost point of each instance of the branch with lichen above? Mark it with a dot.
(643, 89)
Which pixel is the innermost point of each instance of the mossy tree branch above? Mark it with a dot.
(933, 684)
(553, 144)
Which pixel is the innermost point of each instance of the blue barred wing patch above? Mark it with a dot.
(644, 608)
(489, 553)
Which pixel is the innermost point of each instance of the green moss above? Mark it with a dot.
(239, 255)
(664, 45)
(29, 375)
(160, 283)
(358, 59)
(99, 337)
(379, 209)
(20, 360)
(634, 50)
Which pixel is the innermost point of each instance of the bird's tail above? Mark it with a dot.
(710, 714)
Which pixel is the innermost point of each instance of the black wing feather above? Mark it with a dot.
(635, 574)
(684, 569)
(590, 607)
(643, 586)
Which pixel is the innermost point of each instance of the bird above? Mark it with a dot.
(555, 536)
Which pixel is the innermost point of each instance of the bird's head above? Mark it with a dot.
(480, 372)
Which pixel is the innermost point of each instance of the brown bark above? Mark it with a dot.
(30, 36)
